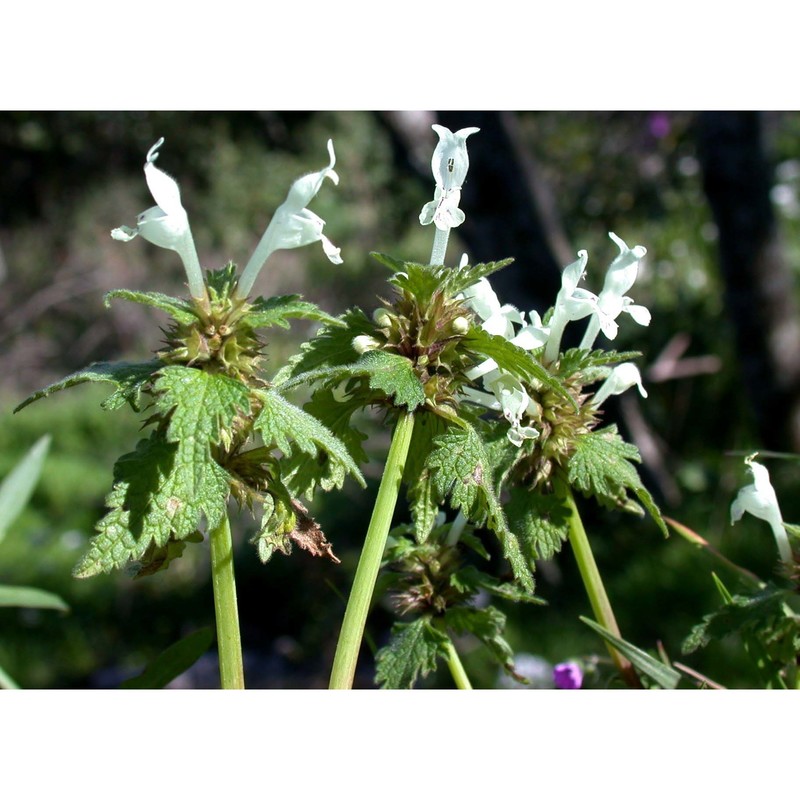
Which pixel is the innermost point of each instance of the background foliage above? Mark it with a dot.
(68, 178)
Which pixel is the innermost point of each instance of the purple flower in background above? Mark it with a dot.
(567, 675)
(659, 124)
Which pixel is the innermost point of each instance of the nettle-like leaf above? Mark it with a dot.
(462, 474)
(393, 375)
(487, 624)
(742, 613)
(160, 492)
(331, 347)
(460, 278)
(277, 311)
(592, 365)
(540, 520)
(180, 310)
(314, 454)
(129, 380)
(412, 652)
(601, 467)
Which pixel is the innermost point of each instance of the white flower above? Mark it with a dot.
(572, 303)
(293, 225)
(166, 224)
(621, 378)
(496, 319)
(509, 397)
(759, 499)
(612, 302)
(449, 164)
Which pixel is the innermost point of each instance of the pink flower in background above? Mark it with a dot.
(567, 675)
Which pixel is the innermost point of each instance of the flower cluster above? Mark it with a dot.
(167, 224)
(506, 393)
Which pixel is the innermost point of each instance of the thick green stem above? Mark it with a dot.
(229, 642)
(355, 616)
(456, 667)
(601, 606)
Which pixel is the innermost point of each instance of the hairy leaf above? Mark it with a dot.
(180, 310)
(541, 521)
(160, 491)
(461, 471)
(411, 653)
(393, 375)
(332, 346)
(266, 313)
(295, 432)
(601, 467)
(129, 379)
(487, 624)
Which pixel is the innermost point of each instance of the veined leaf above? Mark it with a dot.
(461, 471)
(290, 429)
(392, 374)
(332, 346)
(458, 279)
(266, 313)
(128, 378)
(160, 490)
(413, 651)
(601, 467)
(541, 521)
(180, 310)
(487, 624)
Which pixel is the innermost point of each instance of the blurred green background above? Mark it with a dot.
(67, 178)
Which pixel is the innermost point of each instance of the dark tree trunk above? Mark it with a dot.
(759, 290)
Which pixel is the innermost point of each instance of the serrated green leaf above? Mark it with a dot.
(460, 471)
(487, 624)
(541, 521)
(413, 651)
(393, 375)
(591, 364)
(275, 311)
(201, 405)
(128, 378)
(160, 490)
(332, 346)
(387, 261)
(740, 612)
(180, 310)
(600, 467)
(30, 597)
(174, 661)
(420, 280)
(292, 430)
(664, 676)
(457, 279)
(17, 487)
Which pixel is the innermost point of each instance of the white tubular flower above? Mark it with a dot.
(496, 319)
(514, 402)
(612, 302)
(293, 225)
(508, 396)
(533, 334)
(622, 377)
(449, 164)
(572, 303)
(166, 224)
(759, 499)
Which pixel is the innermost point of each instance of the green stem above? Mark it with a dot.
(355, 616)
(456, 667)
(229, 642)
(601, 606)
